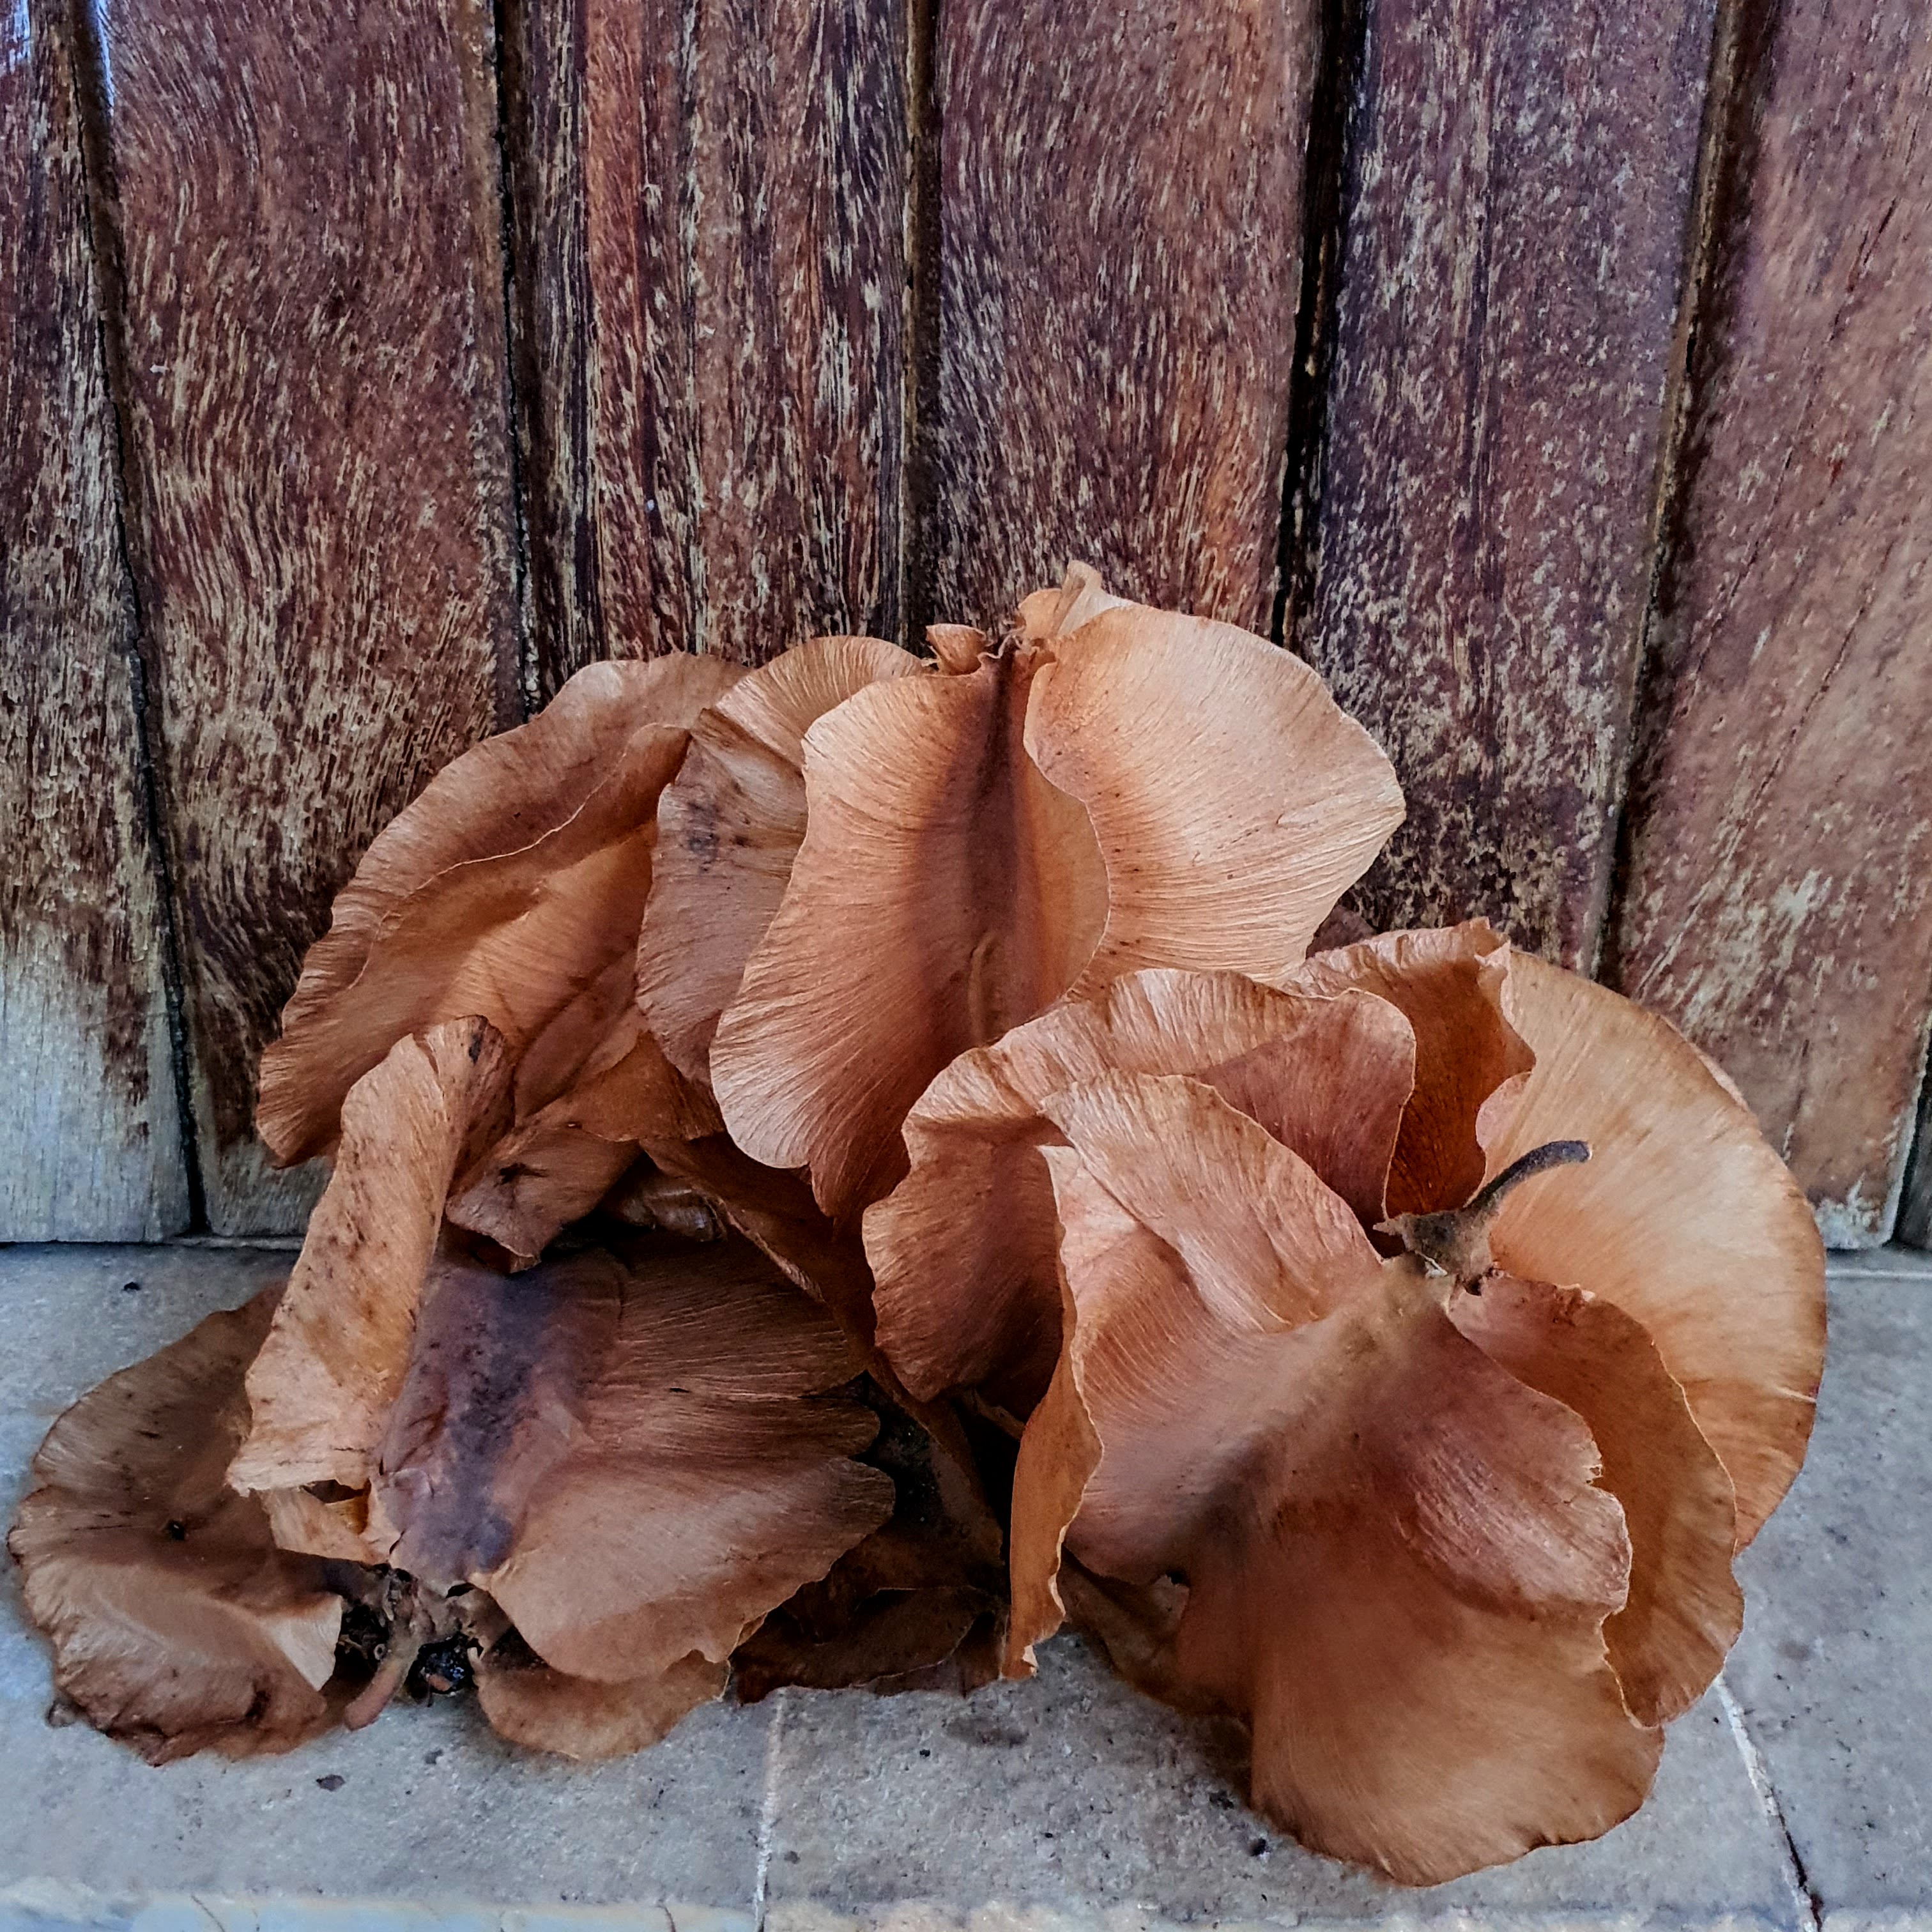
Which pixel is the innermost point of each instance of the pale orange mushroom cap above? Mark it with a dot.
(1141, 790)
(1455, 1548)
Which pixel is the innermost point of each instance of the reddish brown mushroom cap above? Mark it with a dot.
(504, 890)
(1684, 1609)
(1448, 984)
(583, 1718)
(1683, 1218)
(944, 892)
(638, 1460)
(1143, 790)
(176, 1623)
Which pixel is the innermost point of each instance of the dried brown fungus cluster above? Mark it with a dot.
(840, 1168)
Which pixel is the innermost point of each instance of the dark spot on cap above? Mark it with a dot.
(334, 1781)
(131, 1288)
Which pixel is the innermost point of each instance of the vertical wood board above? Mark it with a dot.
(1119, 199)
(1778, 901)
(90, 1132)
(711, 207)
(307, 199)
(1516, 194)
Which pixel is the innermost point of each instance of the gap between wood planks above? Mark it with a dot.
(1714, 189)
(506, 72)
(82, 27)
(1323, 220)
(920, 400)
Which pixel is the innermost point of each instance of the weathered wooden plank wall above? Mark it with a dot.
(1515, 202)
(1777, 901)
(1118, 254)
(311, 323)
(710, 218)
(856, 315)
(90, 1128)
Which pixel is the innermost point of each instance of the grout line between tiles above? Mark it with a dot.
(1804, 1896)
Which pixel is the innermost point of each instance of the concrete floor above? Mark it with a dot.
(1797, 1795)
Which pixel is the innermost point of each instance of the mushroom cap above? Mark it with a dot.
(584, 1718)
(965, 1248)
(729, 828)
(177, 1625)
(637, 1457)
(1399, 1563)
(504, 890)
(334, 1361)
(1142, 790)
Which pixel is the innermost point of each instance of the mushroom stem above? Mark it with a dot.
(1456, 1239)
(369, 1701)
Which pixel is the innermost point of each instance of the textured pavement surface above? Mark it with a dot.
(1798, 1794)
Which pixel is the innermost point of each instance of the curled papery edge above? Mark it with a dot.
(1233, 799)
(1449, 983)
(320, 1388)
(589, 1720)
(1683, 1218)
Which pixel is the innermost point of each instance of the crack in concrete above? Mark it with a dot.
(1804, 1894)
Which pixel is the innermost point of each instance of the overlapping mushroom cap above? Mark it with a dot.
(1109, 787)
(1455, 1543)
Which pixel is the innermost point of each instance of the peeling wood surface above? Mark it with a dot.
(1119, 200)
(1517, 191)
(711, 201)
(312, 331)
(90, 1132)
(1778, 901)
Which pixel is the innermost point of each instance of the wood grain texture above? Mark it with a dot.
(308, 201)
(711, 205)
(1778, 899)
(90, 1130)
(1516, 192)
(1119, 264)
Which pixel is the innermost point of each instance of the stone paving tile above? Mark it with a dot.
(1835, 1670)
(431, 1805)
(1073, 1791)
